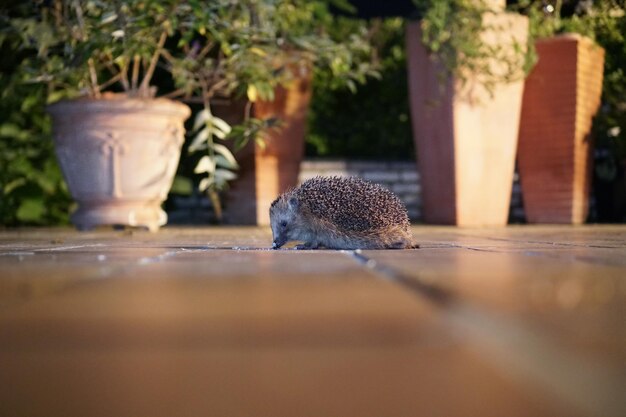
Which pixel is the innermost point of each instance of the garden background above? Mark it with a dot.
(364, 122)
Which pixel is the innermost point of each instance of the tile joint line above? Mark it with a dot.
(524, 353)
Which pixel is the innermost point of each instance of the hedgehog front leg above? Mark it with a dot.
(308, 245)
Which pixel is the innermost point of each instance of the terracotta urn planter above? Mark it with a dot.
(119, 156)
(561, 96)
(265, 172)
(465, 142)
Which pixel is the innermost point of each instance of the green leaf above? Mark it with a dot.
(220, 124)
(10, 130)
(205, 164)
(226, 49)
(199, 141)
(108, 18)
(182, 185)
(351, 86)
(222, 162)
(252, 93)
(224, 175)
(31, 210)
(258, 51)
(217, 133)
(260, 141)
(226, 154)
(46, 183)
(13, 185)
(205, 183)
(201, 119)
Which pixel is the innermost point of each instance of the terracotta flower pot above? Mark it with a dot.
(266, 172)
(561, 96)
(465, 142)
(119, 156)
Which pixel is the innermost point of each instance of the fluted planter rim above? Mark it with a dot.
(124, 104)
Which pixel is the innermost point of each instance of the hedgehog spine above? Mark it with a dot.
(340, 213)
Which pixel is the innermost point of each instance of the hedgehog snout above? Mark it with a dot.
(280, 229)
(280, 236)
(279, 242)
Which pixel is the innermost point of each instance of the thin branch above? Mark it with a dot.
(112, 69)
(217, 204)
(135, 74)
(193, 100)
(248, 110)
(206, 99)
(176, 93)
(168, 57)
(109, 62)
(110, 81)
(58, 13)
(81, 21)
(372, 32)
(215, 100)
(216, 87)
(124, 78)
(205, 50)
(153, 61)
(94, 78)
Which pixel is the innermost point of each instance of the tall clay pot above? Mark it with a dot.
(265, 172)
(562, 95)
(465, 142)
(119, 156)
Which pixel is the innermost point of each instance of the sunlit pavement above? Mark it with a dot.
(517, 321)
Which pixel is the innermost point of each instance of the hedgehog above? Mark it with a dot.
(340, 213)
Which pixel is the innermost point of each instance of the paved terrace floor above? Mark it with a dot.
(520, 321)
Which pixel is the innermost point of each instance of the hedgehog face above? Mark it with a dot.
(284, 221)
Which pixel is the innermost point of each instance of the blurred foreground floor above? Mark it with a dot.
(520, 321)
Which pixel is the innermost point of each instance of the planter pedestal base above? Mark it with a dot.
(135, 214)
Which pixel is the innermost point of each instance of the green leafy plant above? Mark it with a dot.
(374, 120)
(219, 163)
(190, 50)
(588, 18)
(32, 190)
(451, 31)
(604, 22)
(610, 124)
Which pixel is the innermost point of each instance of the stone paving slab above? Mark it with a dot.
(519, 321)
(401, 381)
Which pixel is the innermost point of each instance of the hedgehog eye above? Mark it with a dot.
(283, 224)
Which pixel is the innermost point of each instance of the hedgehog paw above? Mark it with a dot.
(306, 246)
(402, 245)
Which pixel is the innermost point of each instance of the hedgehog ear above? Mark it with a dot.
(293, 203)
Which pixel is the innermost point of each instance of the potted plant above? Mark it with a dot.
(304, 34)
(562, 96)
(118, 152)
(466, 62)
(117, 135)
